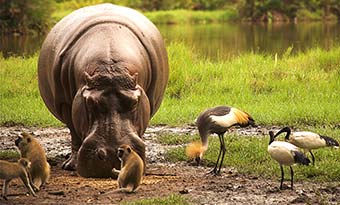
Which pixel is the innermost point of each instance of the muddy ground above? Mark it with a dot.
(162, 178)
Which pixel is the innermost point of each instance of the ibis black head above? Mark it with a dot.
(286, 130)
(272, 137)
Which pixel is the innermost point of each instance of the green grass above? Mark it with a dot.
(171, 199)
(191, 17)
(20, 101)
(9, 155)
(294, 90)
(159, 17)
(297, 90)
(249, 156)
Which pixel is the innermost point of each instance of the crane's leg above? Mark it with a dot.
(313, 158)
(292, 176)
(214, 171)
(282, 176)
(223, 153)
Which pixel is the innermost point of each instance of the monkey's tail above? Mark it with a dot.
(194, 149)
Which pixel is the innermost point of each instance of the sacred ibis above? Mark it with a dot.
(308, 140)
(217, 120)
(287, 154)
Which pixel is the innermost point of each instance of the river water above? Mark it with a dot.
(219, 41)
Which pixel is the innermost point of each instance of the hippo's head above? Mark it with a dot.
(110, 105)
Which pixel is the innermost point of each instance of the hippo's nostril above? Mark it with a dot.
(101, 153)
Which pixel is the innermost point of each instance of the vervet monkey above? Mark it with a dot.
(31, 149)
(132, 168)
(12, 170)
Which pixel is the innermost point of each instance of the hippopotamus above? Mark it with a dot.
(103, 71)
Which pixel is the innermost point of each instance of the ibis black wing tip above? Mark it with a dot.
(330, 141)
(300, 158)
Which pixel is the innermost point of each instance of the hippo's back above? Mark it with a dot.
(58, 86)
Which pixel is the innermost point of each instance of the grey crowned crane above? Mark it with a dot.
(287, 154)
(216, 120)
(308, 140)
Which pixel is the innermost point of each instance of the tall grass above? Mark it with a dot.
(301, 89)
(180, 16)
(20, 101)
(294, 90)
(187, 16)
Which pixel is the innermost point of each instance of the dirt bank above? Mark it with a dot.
(162, 178)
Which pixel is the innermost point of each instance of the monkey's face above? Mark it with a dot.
(123, 152)
(23, 141)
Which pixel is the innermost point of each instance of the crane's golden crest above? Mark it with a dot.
(241, 117)
(194, 149)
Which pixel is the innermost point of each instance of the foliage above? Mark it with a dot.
(264, 9)
(151, 5)
(25, 16)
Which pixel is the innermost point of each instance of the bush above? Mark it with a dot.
(25, 16)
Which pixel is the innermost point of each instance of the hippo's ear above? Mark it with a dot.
(129, 149)
(135, 77)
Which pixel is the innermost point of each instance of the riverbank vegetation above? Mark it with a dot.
(38, 16)
(299, 89)
(26, 17)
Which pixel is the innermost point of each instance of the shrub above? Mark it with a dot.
(24, 16)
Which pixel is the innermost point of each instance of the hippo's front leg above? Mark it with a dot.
(71, 162)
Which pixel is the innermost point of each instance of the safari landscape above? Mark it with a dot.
(282, 85)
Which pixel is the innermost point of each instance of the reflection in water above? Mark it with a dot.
(230, 39)
(220, 40)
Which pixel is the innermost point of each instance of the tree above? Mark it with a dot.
(24, 16)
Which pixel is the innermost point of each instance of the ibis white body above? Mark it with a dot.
(287, 154)
(283, 152)
(307, 140)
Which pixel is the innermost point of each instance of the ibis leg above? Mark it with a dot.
(292, 176)
(313, 158)
(282, 176)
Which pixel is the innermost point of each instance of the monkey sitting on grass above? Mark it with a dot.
(12, 170)
(132, 168)
(31, 149)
